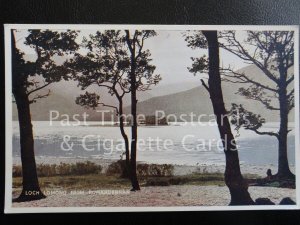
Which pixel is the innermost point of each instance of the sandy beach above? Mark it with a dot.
(176, 195)
(173, 195)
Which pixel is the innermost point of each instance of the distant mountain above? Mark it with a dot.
(197, 100)
(62, 99)
(167, 89)
(40, 111)
(177, 99)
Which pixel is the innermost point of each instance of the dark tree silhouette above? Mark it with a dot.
(28, 79)
(108, 64)
(234, 180)
(139, 68)
(273, 53)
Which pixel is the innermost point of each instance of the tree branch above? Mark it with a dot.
(242, 53)
(38, 88)
(204, 85)
(110, 106)
(34, 99)
(290, 79)
(244, 79)
(263, 133)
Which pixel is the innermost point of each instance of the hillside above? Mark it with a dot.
(197, 100)
(172, 99)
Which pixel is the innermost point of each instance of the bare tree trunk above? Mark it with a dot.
(234, 180)
(31, 190)
(134, 179)
(133, 173)
(124, 135)
(283, 165)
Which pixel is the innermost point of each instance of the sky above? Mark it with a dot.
(169, 52)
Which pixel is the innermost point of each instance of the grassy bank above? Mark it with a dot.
(92, 181)
(88, 175)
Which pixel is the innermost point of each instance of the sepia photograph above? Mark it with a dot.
(103, 118)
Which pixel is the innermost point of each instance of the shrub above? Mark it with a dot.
(155, 170)
(64, 169)
(157, 182)
(47, 170)
(118, 168)
(143, 169)
(178, 180)
(85, 168)
(17, 171)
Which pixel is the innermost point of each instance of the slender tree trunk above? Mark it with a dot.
(283, 165)
(133, 174)
(234, 180)
(31, 190)
(134, 179)
(124, 135)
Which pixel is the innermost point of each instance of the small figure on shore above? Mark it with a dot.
(269, 174)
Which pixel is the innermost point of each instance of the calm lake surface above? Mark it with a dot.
(178, 143)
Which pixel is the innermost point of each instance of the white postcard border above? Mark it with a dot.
(8, 116)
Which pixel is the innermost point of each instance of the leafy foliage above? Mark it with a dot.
(46, 44)
(200, 65)
(107, 64)
(88, 100)
(240, 117)
(258, 93)
(195, 39)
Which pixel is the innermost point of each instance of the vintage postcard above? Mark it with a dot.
(103, 118)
